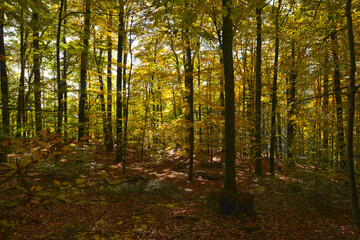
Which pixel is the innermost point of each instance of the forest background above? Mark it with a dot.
(268, 84)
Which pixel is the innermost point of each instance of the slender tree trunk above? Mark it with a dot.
(37, 60)
(65, 69)
(291, 106)
(351, 113)
(83, 74)
(99, 68)
(127, 99)
(4, 91)
(325, 143)
(258, 157)
(146, 98)
(21, 120)
(58, 73)
(119, 79)
(109, 134)
(124, 105)
(189, 86)
(199, 86)
(338, 100)
(279, 132)
(274, 90)
(230, 174)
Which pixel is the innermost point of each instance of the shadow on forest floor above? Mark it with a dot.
(85, 195)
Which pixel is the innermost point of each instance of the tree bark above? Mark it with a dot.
(108, 134)
(274, 90)
(338, 100)
(227, 37)
(258, 84)
(21, 119)
(4, 81)
(291, 105)
(99, 68)
(60, 94)
(189, 98)
(351, 113)
(37, 60)
(119, 133)
(325, 142)
(65, 73)
(83, 74)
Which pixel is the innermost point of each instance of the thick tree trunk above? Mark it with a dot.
(351, 113)
(119, 79)
(36, 59)
(4, 91)
(230, 154)
(274, 91)
(258, 84)
(109, 135)
(83, 74)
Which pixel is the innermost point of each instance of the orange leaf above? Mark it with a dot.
(43, 133)
(84, 138)
(5, 143)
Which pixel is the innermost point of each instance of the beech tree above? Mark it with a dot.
(83, 119)
(4, 89)
(274, 87)
(258, 157)
(350, 132)
(227, 48)
(37, 62)
(119, 82)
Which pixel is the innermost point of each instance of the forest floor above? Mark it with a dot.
(154, 200)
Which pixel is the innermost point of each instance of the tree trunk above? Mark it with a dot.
(274, 91)
(99, 69)
(21, 120)
(36, 59)
(108, 135)
(58, 74)
(291, 105)
(227, 37)
(199, 86)
(83, 74)
(338, 100)
(351, 113)
(189, 98)
(258, 158)
(325, 142)
(119, 133)
(4, 91)
(65, 68)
